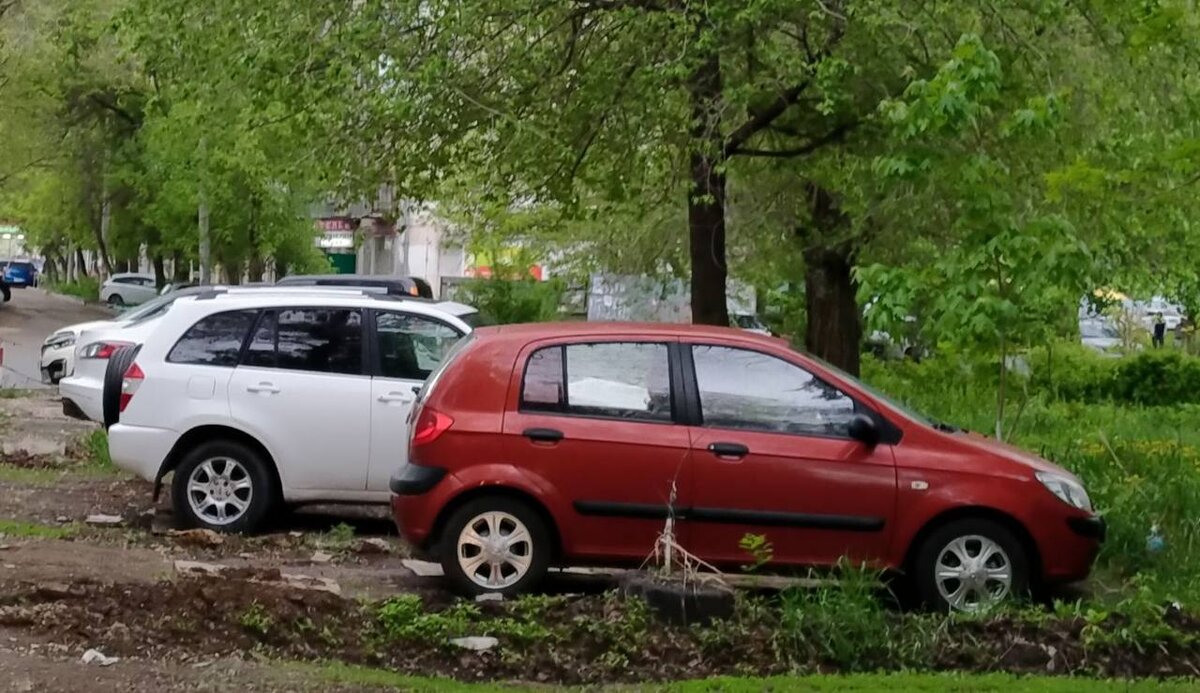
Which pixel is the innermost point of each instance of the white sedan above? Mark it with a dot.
(128, 289)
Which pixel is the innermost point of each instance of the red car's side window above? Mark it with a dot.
(626, 380)
(748, 390)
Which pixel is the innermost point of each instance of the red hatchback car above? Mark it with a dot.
(545, 444)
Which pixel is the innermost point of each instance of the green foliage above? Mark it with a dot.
(1157, 377)
(95, 447)
(761, 551)
(256, 619)
(846, 625)
(507, 301)
(87, 288)
(404, 618)
(33, 530)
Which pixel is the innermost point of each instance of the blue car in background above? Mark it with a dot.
(20, 273)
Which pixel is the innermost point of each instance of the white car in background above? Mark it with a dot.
(58, 350)
(251, 399)
(128, 289)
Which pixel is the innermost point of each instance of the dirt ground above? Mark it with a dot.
(47, 492)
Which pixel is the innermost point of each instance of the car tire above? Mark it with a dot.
(115, 301)
(114, 373)
(485, 515)
(225, 486)
(1002, 575)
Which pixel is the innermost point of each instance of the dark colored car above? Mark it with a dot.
(20, 274)
(535, 445)
(399, 286)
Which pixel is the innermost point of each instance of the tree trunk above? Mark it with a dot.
(834, 329)
(706, 200)
(160, 273)
(180, 268)
(80, 263)
(834, 326)
(102, 231)
(205, 238)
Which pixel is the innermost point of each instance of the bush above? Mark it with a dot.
(87, 288)
(503, 301)
(1158, 378)
(1071, 371)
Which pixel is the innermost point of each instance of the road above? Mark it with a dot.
(26, 321)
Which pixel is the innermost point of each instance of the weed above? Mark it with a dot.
(761, 551)
(14, 393)
(405, 618)
(339, 537)
(256, 620)
(95, 446)
(33, 530)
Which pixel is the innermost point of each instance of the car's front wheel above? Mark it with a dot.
(970, 565)
(224, 486)
(116, 301)
(495, 544)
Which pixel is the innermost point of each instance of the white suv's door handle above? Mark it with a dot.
(265, 388)
(396, 397)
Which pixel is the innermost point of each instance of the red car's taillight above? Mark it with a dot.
(101, 350)
(129, 384)
(431, 424)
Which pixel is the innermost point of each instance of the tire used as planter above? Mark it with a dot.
(114, 374)
(678, 602)
(225, 486)
(495, 544)
(968, 565)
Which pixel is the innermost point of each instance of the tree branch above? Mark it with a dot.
(837, 134)
(766, 115)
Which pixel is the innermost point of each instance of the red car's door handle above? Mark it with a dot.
(543, 435)
(735, 450)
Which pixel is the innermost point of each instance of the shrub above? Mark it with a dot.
(87, 288)
(1159, 377)
(503, 301)
(1071, 371)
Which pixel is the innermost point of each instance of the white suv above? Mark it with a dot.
(257, 398)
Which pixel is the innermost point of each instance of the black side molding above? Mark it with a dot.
(1089, 527)
(413, 479)
(762, 518)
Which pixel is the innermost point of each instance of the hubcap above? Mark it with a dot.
(495, 550)
(972, 573)
(219, 490)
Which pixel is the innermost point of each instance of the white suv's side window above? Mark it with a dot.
(320, 340)
(411, 346)
(214, 341)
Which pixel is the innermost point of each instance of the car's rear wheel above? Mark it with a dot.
(971, 565)
(224, 486)
(116, 301)
(495, 544)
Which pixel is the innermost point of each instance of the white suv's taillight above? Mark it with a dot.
(130, 383)
(101, 350)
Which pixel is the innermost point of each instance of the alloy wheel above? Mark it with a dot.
(219, 490)
(972, 573)
(495, 550)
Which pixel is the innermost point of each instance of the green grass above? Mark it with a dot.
(349, 675)
(14, 393)
(87, 288)
(33, 530)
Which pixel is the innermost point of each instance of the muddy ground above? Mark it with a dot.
(48, 489)
(199, 611)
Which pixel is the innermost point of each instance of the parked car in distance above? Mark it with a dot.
(128, 289)
(400, 286)
(254, 398)
(58, 350)
(20, 273)
(564, 443)
(749, 322)
(1100, 334)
